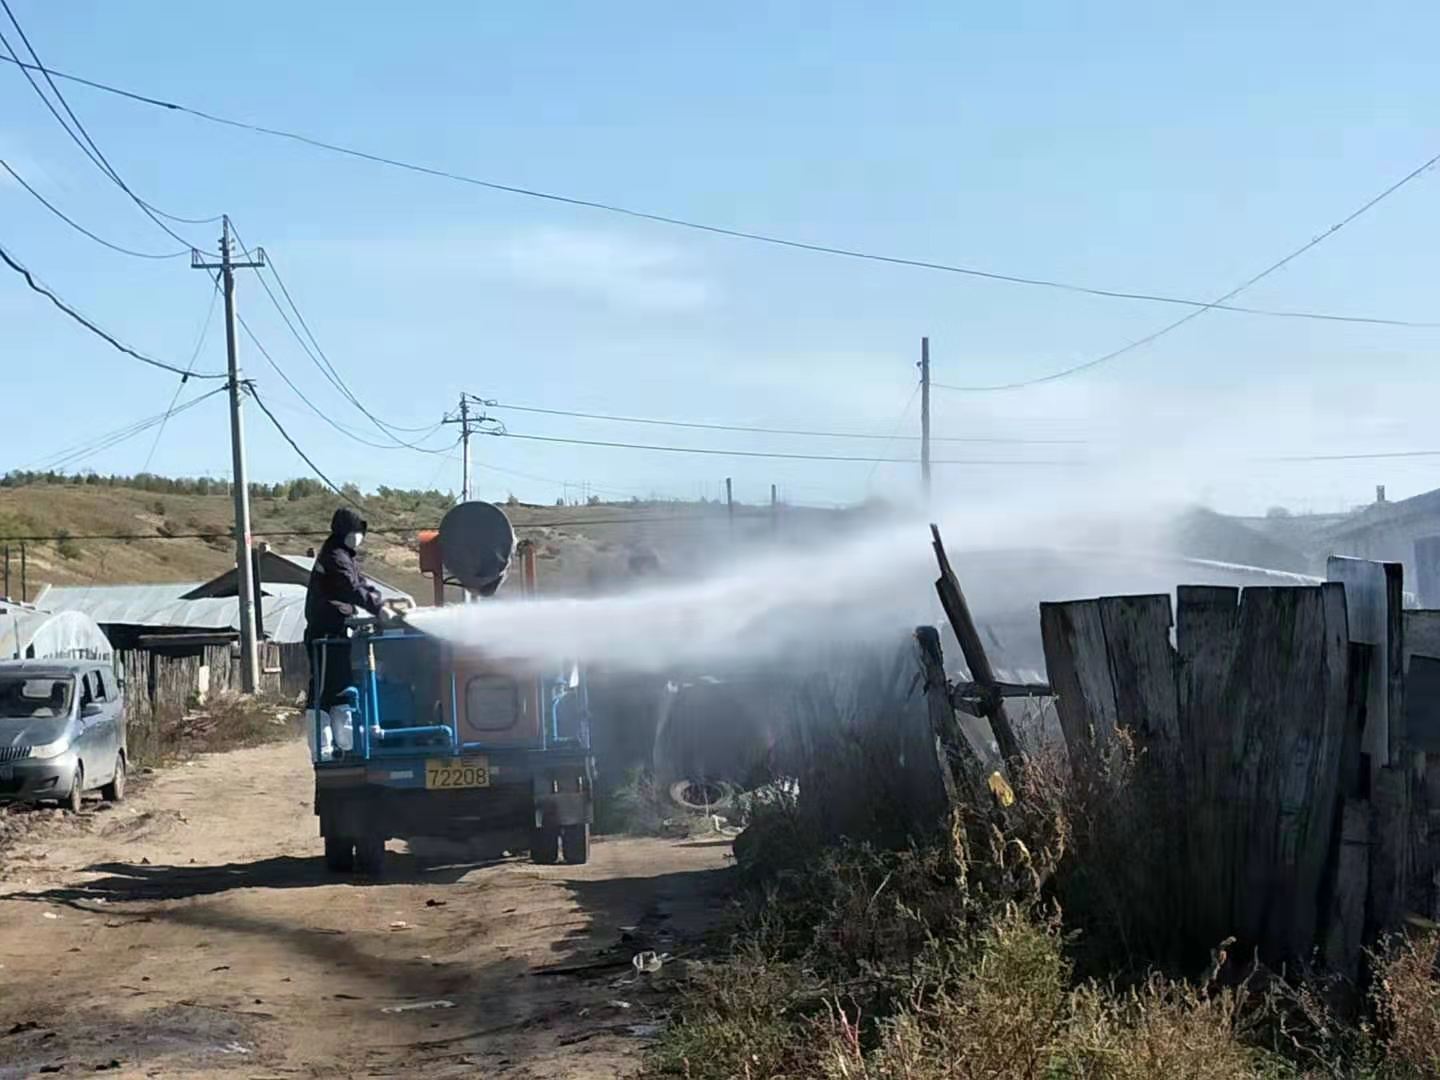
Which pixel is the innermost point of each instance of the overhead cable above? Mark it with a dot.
(714, 451)
(321, 412)
(83, 140)
(11, 262)
(1314, 241)
(81, 228)
(771, 430)
(718, 230)
(250, 386)
(194, 355)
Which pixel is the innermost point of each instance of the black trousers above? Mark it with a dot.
(331, 663)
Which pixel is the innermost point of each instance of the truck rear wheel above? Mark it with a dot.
(370, 855)
(545, 846)
(339, 854)
(576, 839)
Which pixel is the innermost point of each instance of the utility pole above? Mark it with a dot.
(465, 448)
(925, 417)
(244, 568)
(730, 504)
(468, 426)
(774, 511)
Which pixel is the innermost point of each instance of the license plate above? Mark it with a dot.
(457, 773)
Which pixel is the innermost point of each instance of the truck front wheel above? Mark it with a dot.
(545, 846)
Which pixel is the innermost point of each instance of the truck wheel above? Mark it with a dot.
(370, 855)
(576, 839)
(545, 846)
(339, 854)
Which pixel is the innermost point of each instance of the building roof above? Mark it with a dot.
(277, 569)
(282, 608)
(202, 605)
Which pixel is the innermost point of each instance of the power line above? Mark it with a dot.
(769, 430)
(78, 452)
(1314, 241)
(320, 360)
(195, 355)
(81, 228)
(894, 433)
(769, 454)
(718, 230)
(320, 412)
(296, 447)
(11, 262)
(87, 144)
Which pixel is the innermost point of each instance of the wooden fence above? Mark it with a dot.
(159, 689)
(1273, 733)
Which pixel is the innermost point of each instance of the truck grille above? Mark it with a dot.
(13, 753)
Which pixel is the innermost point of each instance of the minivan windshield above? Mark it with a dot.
(27, 699)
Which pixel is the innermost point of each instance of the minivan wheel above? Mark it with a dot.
(115, 790)
(76, 799)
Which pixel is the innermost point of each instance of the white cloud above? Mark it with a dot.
(616, 269)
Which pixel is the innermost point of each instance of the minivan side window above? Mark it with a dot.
(105, 682)
(87, 688)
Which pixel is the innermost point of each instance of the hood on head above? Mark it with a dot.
(346, 521)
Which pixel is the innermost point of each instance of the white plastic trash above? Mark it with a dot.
(319, 719)
(342, 724)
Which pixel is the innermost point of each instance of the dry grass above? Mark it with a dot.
(228, 721)
(951, 960)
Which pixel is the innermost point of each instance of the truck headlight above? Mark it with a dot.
(50, 749)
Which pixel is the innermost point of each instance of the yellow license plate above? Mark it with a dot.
(441, 773)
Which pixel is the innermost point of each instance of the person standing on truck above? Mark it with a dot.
(337, 590)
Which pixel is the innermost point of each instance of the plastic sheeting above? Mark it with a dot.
(28, 633)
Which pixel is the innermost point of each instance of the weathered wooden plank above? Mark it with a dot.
(1077, 660)
(1287, 692)
(1373, 603)
(1345, 922)
(1389, 844)
(1142, 674)
(1205, 628)
(957, 611)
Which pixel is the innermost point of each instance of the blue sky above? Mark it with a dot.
(1166, 147)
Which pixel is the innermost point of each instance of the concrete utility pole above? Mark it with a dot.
(464, 448)
(730, 504)
(774, 510)
(925, 417)
(244, 568)
(464, 419)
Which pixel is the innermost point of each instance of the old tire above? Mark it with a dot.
(339, 854)
(76, 799)
(370, 856)
(703, 796)
(115, 790)
(576, 841)
(545, 846)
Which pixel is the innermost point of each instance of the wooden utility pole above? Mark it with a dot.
(925, 416)
(249, 650)
(774, 510)
(730, 504)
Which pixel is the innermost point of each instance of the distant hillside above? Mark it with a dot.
(590, 548)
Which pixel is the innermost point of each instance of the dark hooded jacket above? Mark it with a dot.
(337, 588)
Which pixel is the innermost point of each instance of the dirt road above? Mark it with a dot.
(193, 931)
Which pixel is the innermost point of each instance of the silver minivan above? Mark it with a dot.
(62, 731)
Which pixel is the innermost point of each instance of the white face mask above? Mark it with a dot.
(354, 540)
